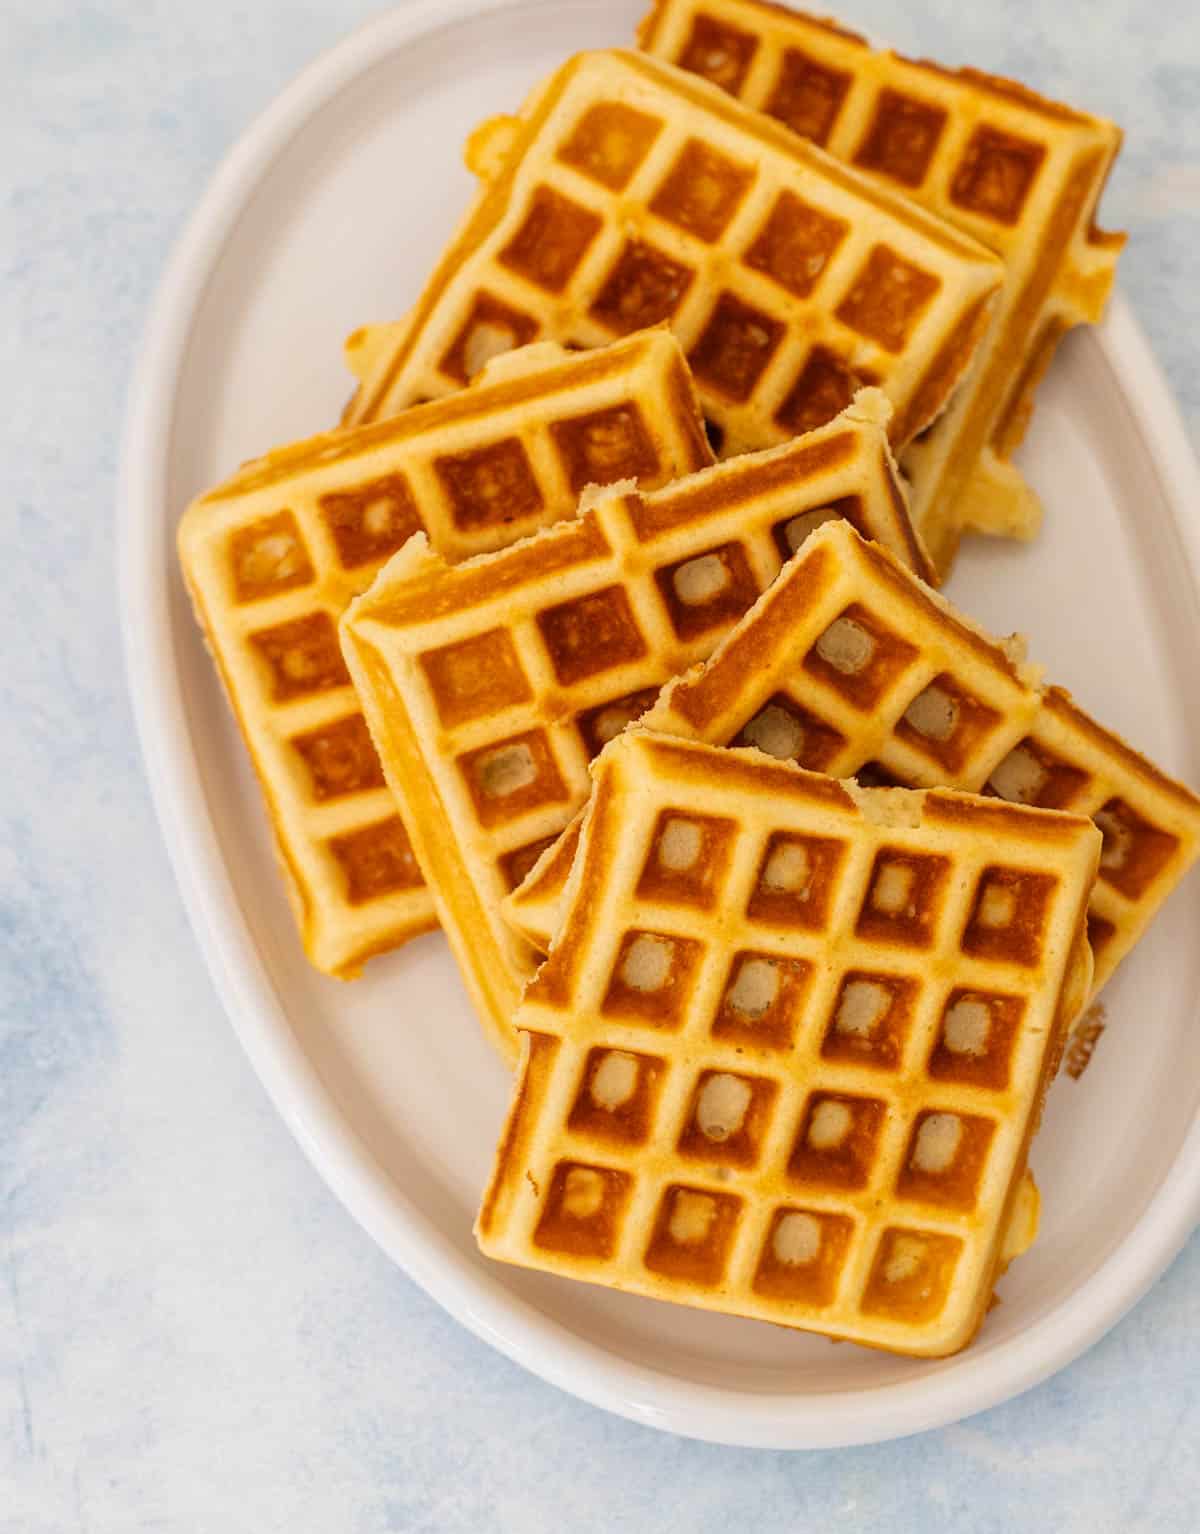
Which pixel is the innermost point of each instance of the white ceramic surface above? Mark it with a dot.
(328, 214)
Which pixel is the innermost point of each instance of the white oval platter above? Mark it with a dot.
(327, 214)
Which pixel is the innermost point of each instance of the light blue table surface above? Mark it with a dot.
(194, 1335)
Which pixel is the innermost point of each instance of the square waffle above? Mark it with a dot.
(849, 665)
(273, 556)
(488, 686)
(629, 192)
(789, 1049)
(1015, 171)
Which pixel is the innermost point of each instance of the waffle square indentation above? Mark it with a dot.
(795, 244)
(605, 722)
(476, 676)
(734, 347)
(303, 656)
(515, 865)
(702, 191)
(583, 1210)
(718, 51)
(887, 298)
(492, 486)
(1134, 851)
(871, 1018)
(512, 776)
(370, 522)
(490, 328)
(904, 898)
(790, 733)
(707, 591)
(340, 757)
(911, 1275)
(268, 557)
(1008, 915)
(551, 241)
(837, 1142)
(728, 1118)
(824, 386)
(802, 1256)
(860, 657)
(808, 95)
(1030, 774)
(609, 142)
(947, 723)
(376, 860)
(946, 1155)
(796, 881)
(617, 1096)
(976, 1039)
(591, 633)
(644, 287)
(693, 1232)
(791, 533)
(996, 173)
(763, 1000)
(688, 859)
(903, 137)
(604, 446)
(652, 978)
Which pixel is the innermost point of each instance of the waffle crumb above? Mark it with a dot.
(776, 732)
(614, 1081)
(756, 988)
(968, 1023)
(647, 964)
(797, 1239)
(680, 844)
(938, 1141)
(846, 646)
(722, 1105)
(700, 580)
(692, 1215)
(830, 1126)
(788, 870)
(863, 1007)
(583, 1193)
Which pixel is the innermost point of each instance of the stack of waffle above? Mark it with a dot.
(778, 880)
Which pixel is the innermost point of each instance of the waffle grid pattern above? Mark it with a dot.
(817, 1107)
(933, 702)
(273, 557)
(489, 687)
(1021, 174)
(633, 194)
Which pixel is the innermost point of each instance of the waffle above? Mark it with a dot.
(789, 1049)
(1015, 171)
(849, 665)
(273, 556)
(629, 192)
(487, 687)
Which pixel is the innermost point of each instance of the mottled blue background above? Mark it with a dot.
(193, 1334)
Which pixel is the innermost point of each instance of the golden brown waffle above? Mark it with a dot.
(629, 192)
(273, 556)
(849, 665)
(790, 1046)
(489, 686)
(1017, 172)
